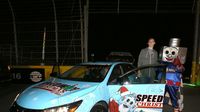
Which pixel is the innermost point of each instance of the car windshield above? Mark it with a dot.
(87, 73)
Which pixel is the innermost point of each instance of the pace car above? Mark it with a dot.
(93, 87)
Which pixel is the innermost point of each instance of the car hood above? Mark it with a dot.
(54, 93)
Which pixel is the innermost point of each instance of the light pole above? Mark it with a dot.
(56, 30)
(15, 32)
(195, 46)
(86, 17)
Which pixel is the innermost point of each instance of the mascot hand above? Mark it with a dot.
(180, 68)
(177, 62)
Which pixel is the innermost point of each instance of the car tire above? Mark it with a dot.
(99, 107)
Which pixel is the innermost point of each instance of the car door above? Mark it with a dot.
(131, 94)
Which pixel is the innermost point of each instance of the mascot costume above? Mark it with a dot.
(174, 57)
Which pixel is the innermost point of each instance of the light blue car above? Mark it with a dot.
(93, 87)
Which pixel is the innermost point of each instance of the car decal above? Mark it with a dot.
(57, 88)
(132, 102)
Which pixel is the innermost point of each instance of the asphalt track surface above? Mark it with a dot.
(9, 90)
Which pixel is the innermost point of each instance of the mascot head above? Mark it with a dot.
(173, 51)
(169, 54)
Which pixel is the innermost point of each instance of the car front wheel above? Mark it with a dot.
(99, 107)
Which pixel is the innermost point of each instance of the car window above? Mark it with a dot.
(117, 71)
(130, 78)
(140, 76)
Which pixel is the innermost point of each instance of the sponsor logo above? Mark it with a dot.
(35, 76)
(149, 101)
(170, 70)
(56, 88)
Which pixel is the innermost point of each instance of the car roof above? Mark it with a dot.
(120, 54)
(103, 63)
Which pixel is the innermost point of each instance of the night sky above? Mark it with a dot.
(129, 32)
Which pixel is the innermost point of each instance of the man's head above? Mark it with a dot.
(151, 42)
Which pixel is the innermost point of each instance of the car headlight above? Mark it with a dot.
(16, 97)
(65, 108)
(14, 100)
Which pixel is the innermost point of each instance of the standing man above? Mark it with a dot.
(148, 56)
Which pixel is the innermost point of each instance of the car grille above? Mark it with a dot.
(16, 108)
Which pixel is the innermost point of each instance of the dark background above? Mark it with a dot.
(130, 32)
(109, 30)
